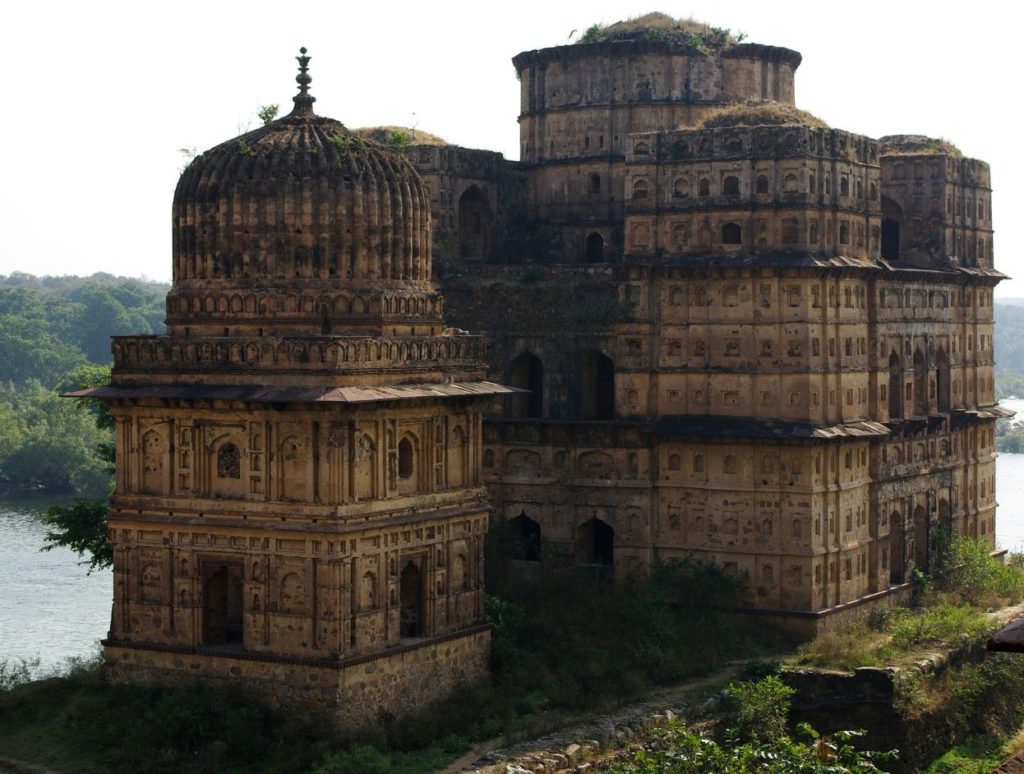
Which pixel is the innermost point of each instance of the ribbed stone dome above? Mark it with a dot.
(301, 197)
(302, 225)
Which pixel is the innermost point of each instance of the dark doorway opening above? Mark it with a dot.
(920, 538)
(595, 248)
(920, 385)
(897, 550)
(474, 222)
(942, 379)
(595, 543)
(597, 386)
(527, 373)
(222, 603)
(523, 539)
(895, 387)
(411, 593)
(892, 217)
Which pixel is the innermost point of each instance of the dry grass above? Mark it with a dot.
(917, 144)
(660, 26)
(383, 135)
(1014, 744)
(759, 113)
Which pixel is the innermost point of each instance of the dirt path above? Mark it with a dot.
(610, 729)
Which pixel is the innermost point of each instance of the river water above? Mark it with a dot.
(52, 609)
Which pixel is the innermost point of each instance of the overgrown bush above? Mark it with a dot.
(760, 709)
(580, 641)
(947, 606)
(16, 671)
(675, 749)
(968, 570)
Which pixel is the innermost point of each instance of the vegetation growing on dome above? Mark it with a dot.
(399, 136)
(346, 142)
(917, 144)
(759, 114)
(687, 32)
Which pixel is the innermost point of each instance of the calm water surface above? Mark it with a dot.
(51, 608)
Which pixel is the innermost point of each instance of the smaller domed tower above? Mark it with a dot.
(298, 491)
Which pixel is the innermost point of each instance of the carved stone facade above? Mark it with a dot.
(763, 346)
(299, 501)
(767, 345)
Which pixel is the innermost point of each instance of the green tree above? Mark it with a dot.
(82, 527)
(267, 113)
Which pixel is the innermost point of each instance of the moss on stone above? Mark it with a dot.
(918, 144)
(758, 113)
(687, 32)
(384, 135)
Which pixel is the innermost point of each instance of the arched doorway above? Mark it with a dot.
(523, 539)
(595, 543)
(945, 520)
(731, 233)
(892, 218)
(222, 603)
(527, 373)
(474, 223)
(920, 538)
(920, 385)
(411, 596)
(897, 549)
(597, 386)
(942, 379)
(595, 248)
(895, 387)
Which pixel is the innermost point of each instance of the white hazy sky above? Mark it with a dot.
(100, 95)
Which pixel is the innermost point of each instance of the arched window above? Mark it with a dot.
(681, 188)
(641, 149)
(527, 373)
(790, 184)
(674, 462)
(406, 458)
(595, 183)
(844, 233)
(640, 189)
(704, 187)
(731, 234)
(844, 186)
(731, 186)
(729, 464)
(229, 461)
(597, 386)
(762, 184)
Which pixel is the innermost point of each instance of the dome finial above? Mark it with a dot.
(303, 100)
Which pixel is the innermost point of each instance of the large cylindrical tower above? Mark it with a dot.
(580, 103)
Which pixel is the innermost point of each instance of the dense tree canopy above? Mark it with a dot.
(55, 337)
